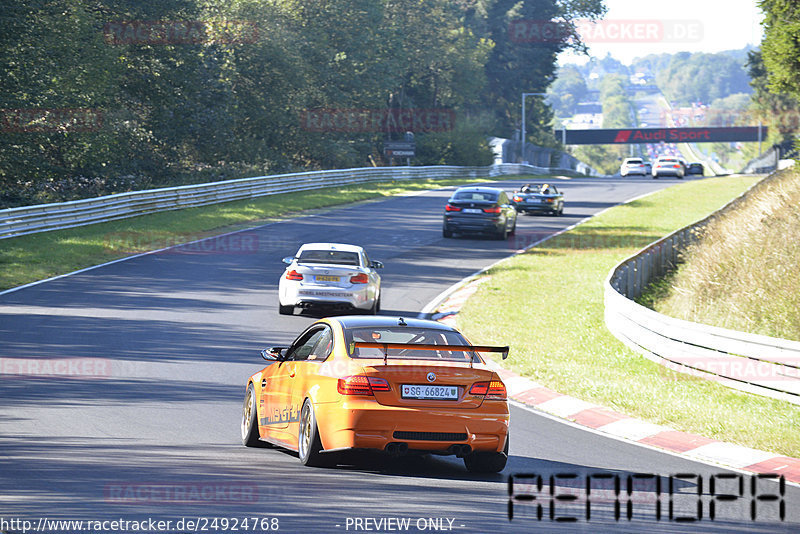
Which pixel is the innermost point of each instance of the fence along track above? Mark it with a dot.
(57, 216)
(758, 364)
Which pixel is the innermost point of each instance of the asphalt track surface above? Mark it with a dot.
(150, 428)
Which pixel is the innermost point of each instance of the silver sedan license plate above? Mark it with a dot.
(425, 392)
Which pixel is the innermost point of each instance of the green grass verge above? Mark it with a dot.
(34, 257)
(547, 304)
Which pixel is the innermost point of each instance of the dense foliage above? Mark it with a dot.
(698, 77)
(781, 45)
(103, 96)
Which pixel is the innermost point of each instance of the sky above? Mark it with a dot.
(636, 28)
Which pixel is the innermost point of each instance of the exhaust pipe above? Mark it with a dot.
(460, 450)
(397, 448)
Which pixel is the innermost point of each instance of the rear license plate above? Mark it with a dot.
(472, 210)
(410, 391)
(325, 278)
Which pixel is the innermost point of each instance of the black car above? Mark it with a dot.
(695, 168)
(479, 210)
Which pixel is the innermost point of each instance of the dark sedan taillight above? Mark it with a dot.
(494, 209)
(450, 207)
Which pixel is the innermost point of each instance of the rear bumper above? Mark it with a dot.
(365, 424)
(536, 207)
(474, 225)
(326, 297)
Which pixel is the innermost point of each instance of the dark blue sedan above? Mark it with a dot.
(479, 210)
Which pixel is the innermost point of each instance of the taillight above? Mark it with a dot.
(517, 198)
(450, 207)
(492, 390)
(495, 209)
(361, 385)
(549, 200)
(360, 278)
(294, 275)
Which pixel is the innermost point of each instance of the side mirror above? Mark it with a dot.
(288, 260)
(376, 265)
(273, 354)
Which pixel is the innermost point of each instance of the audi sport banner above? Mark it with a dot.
(658, 135)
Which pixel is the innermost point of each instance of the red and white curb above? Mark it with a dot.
(607, 421)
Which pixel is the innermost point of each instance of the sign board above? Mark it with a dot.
(397, 149)
(658, 135)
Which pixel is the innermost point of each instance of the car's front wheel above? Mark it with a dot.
(487, 462)
(309, 446)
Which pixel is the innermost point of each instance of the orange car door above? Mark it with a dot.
(275, 388)
(307, 362)
(280, 408)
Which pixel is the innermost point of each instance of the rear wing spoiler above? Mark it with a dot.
(419, 346)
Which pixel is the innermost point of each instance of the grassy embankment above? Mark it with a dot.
(547, 304)
(34, 257)
(743, 274)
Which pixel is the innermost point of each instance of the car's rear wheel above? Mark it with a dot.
(285, 310)
(502, 235)
(376, 306)
(309, 446)
(250, 418)
(446, 232)
(487, 462)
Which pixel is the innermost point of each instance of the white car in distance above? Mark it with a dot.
(632, 166)
(330, 276)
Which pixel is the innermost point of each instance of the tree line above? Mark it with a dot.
(104, 96)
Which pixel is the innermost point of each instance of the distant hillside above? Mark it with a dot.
(698, 77)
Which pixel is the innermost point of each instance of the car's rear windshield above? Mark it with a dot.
(475, 195)
(401, 334)
(337, 257)
(634, 161)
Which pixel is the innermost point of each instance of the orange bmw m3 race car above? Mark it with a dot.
(397, 385)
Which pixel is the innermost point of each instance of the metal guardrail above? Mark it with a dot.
(758, 364)
(57, 216)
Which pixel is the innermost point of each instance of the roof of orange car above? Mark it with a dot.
(368, 321)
